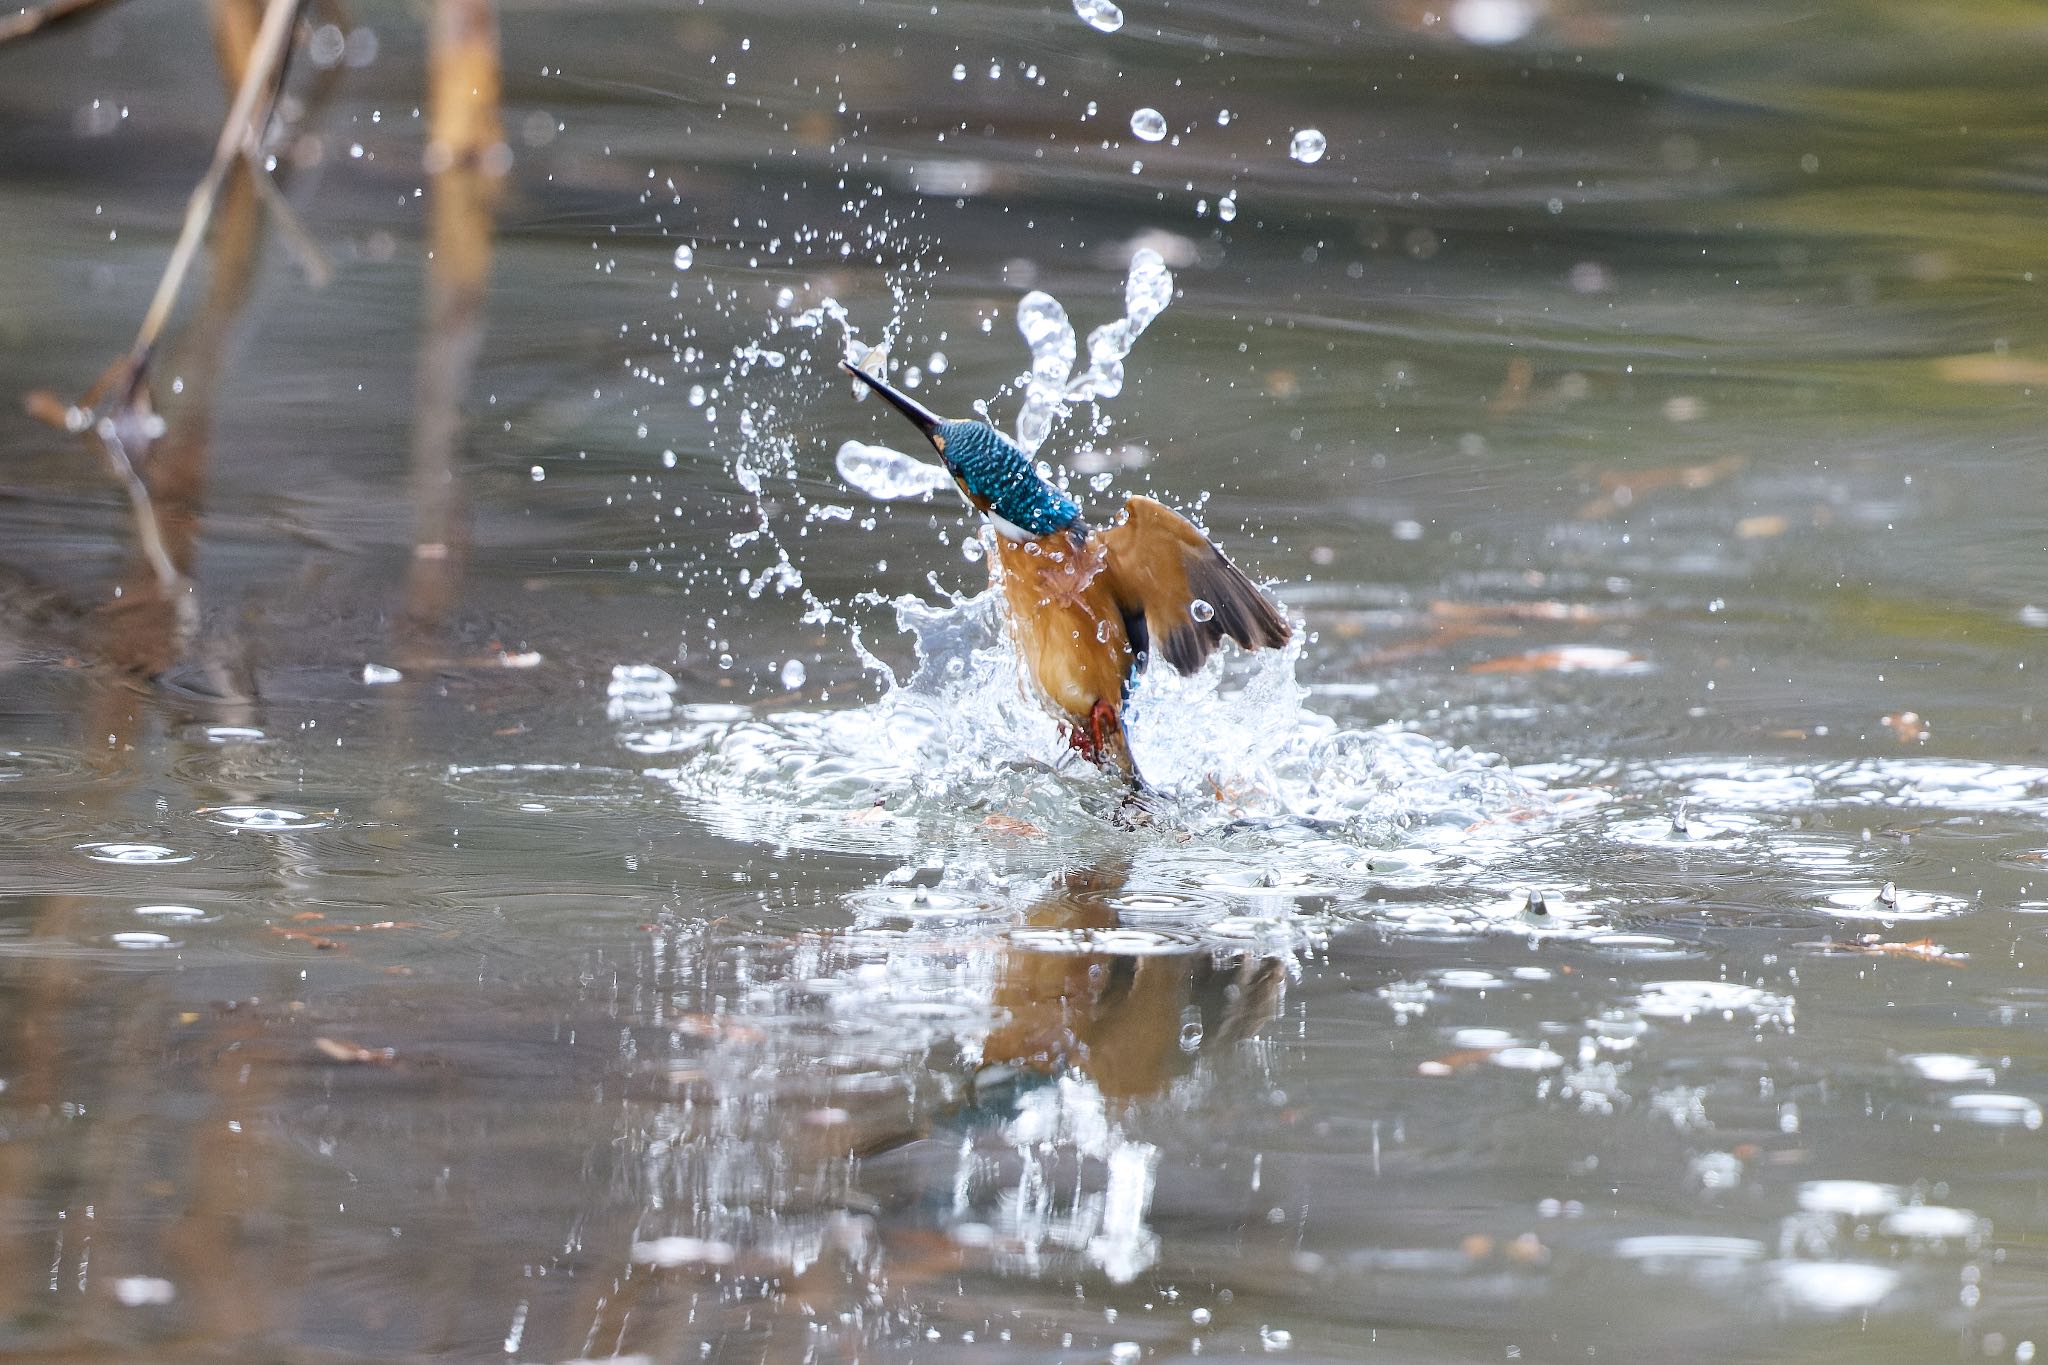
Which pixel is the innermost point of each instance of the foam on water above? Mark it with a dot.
(960, 751)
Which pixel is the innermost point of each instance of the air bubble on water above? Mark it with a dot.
(1102, 15)
(793, 674)
(1148, 124)
(1226, 207)
(1308, 146)
(685, 257)
(1201, 610)
(889, 475)
(171, 912)
(117, 852)
(262, 818)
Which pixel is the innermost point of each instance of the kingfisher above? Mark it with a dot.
(1090, 606)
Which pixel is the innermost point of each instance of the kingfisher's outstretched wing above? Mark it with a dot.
(1158, 565)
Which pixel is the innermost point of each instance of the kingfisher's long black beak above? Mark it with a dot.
(921, 416)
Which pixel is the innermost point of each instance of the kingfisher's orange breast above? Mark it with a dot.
(1066, 623)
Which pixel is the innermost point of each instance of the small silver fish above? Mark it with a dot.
(875, 361)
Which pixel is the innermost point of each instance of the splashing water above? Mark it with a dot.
(889, 475)
(963, 738)
(1229, 752)
(1102, 15)
(1308, 146)
(1148, 125)
(1051, 385)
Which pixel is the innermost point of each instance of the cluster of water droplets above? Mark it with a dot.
(1051, 385)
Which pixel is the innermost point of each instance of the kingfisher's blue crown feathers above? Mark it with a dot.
(994, 467)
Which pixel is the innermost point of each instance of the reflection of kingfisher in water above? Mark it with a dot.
(1090, 605)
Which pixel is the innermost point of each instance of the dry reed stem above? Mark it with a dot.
(246, 116)
(466, 160)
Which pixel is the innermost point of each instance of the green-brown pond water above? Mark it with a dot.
(1638, 408)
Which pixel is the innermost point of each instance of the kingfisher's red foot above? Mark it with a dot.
(1088, 738)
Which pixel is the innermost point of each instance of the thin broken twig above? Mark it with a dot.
(257, 93)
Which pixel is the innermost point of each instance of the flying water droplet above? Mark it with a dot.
(959, 71)
(1201, 611)
(1102, 15)
(1149, 125)
(379, 675)
(889, 475)
(1226, 208)
(1308, 146)
(1148, 289)
(1490, 23)
(1044, 325)
(793, 674)
(685, 257)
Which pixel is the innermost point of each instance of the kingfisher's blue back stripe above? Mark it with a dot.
(994, 467)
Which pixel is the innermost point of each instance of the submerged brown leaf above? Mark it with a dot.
(354, 1054)
(1621, 489)
(1566, 659)
(1992, 369)
(1908, 727)
(1920, 949)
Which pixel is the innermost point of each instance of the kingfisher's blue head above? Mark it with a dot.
(993, 472)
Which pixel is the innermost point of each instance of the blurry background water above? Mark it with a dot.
(1643, 396)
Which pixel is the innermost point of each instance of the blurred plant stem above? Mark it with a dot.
(43, 16)
(262, 74)
(466, 160)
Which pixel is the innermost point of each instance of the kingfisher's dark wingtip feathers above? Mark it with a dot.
(1160, 565)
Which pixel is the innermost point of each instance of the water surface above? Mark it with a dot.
(671, 933)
